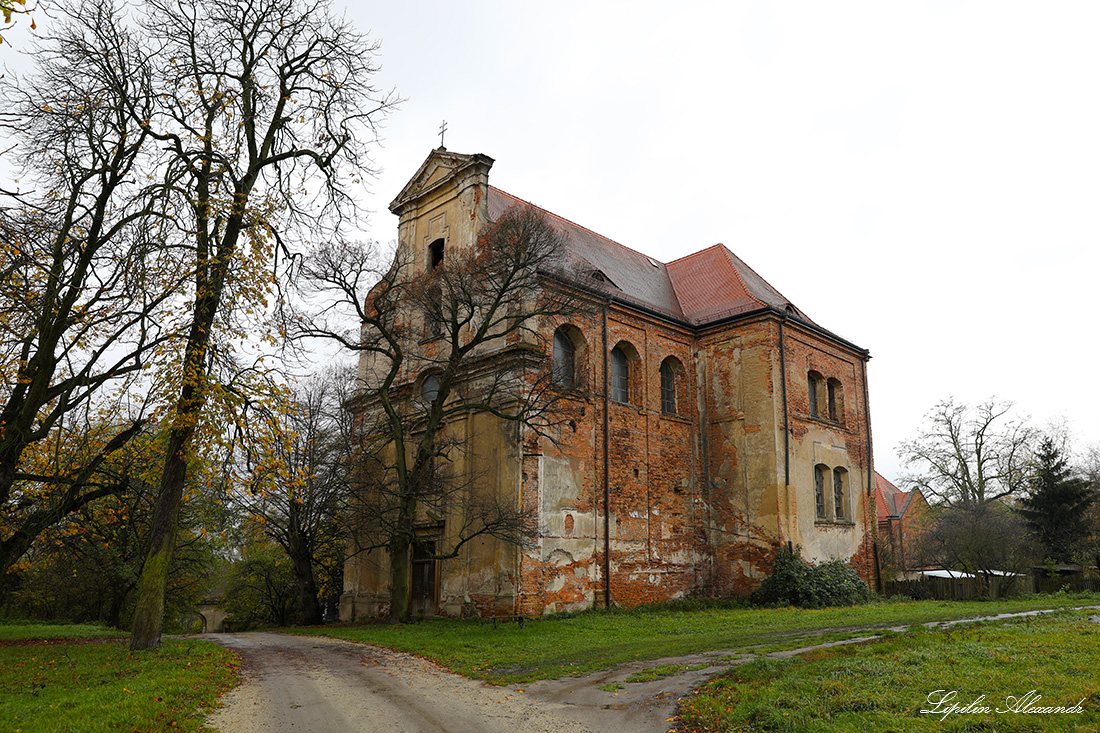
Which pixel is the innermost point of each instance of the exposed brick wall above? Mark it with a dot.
(693, 512)
(698, 501)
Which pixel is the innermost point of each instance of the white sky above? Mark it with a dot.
(921, 178)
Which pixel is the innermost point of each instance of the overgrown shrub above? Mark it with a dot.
(795, 582)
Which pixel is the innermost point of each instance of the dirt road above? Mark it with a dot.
(307, 684)
(318, 684)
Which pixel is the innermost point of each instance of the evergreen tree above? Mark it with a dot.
(1057, 504)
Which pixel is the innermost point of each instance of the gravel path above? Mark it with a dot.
(297, 683)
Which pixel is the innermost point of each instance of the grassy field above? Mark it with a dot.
(883, 686)
(585, 642)
(98, 685)
(24, 631)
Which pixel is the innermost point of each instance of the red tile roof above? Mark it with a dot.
(890, 501)
(700, 288)
(714, 283)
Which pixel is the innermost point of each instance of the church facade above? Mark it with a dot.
(711, 423)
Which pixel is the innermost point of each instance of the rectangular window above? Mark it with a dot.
(839, 479)
(620, 376)
(435, 253)
(668, 389)
(563, 362)
(819, 491)
(814, 383)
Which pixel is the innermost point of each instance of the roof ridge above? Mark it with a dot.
(689, 255)
(578, 226)
(736, 271)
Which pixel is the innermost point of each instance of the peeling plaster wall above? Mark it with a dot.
(699, 501)
(843, 443)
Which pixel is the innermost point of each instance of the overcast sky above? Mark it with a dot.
(920, 178)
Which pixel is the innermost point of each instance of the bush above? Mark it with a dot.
(795, 582)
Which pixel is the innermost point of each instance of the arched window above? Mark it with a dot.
(836, 401)
(429, 390)
(620, 375)
(819, 490)
(670, 372)
(564, 363)
(840, 493)
(816, 384)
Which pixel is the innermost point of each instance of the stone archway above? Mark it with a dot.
(213, 618)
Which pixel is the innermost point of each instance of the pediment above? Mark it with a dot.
(437, 170)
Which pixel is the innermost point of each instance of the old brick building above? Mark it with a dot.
(903, 516)
(714, 422)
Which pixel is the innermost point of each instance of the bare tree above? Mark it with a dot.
(9, 9)
(458, 340)
(84, 278)
(1089, 469)
(986, 540)
(262, 111)
(300, 480)
(969, 456)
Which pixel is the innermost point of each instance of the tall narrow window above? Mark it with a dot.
(836, 401)
(819, 490)
(564, 364)
(840, 493)
(435, 253)
(816, 385)
(429, 390)
(620, 375)
(669, 368)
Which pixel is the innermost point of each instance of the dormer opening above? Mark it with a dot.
(435, 253)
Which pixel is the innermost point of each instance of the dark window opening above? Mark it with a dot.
(836, 401)
(564, 364)
(435, 253)
(819, 490)
(668, 387)
(620, 376)
(430, 389)
(839, 500)
(813, 383)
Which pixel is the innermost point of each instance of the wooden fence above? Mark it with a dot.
(956, 589)
(965, 589)
(1074, 583)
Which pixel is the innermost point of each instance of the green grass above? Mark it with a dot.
(585, 642)
(23, 631)
(883, 685)
(100, 686)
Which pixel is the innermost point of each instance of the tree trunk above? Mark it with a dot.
(310, 607)
(399, 579)
(210, 282)
(149, 612)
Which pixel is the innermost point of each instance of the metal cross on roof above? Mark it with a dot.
(442, 129)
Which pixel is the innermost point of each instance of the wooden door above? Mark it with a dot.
(422, 587)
